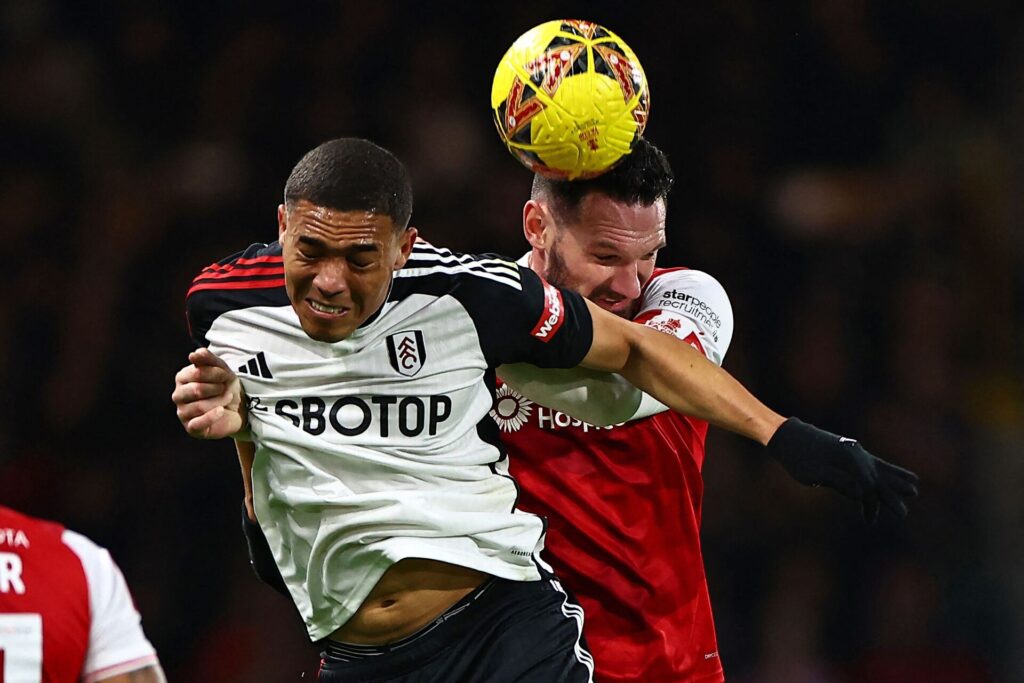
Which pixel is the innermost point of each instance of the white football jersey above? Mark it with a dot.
(380, 447)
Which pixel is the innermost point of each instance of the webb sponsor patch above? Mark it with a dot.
(552, 316)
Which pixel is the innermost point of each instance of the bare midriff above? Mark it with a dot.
(412, 593)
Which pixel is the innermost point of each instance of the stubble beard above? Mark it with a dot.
(557, 273)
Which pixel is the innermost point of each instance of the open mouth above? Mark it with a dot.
(326, 309)
(612, 304)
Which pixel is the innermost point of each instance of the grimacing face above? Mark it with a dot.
(338, 265)
(607, 254)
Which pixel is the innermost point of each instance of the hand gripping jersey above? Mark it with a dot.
(379, 447)
(65, 611)
(623, 505)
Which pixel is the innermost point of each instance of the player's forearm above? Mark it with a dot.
(677, 375)
(682, 378)
(246, 454)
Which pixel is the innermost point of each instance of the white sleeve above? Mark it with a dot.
(693, 306)
(116, 642)
(688, 304)
(598, 398)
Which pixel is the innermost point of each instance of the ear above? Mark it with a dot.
(407, 240)
(537, 224)
(282, 221)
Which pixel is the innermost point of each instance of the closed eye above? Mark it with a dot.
(362, 263)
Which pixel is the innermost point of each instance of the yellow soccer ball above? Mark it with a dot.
(569, 99)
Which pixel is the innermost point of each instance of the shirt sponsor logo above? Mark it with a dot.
(406, 352)
(687, 303)
(556, 419)
(662, 321)
(511, 411)
(355, 415)
(671, 323)
(553, 315)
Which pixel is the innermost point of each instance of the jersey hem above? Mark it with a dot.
(322, 628)
(121, 668)
(714, 677)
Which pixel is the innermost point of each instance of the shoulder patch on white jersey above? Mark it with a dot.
(426, 259)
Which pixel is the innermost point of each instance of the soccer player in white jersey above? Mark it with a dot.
(361, 364)
(66, 615)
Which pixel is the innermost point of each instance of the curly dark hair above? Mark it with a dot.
(643, 177)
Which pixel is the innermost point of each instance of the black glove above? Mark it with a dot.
(819, 458)
(260, 557)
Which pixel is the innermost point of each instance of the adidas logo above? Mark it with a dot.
(257, 367)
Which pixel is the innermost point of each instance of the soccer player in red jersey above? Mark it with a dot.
(65, 611)
(623, 502)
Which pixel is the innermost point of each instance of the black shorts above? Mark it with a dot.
(530, 631)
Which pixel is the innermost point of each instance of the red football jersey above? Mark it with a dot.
(623, 505)
(65, 612)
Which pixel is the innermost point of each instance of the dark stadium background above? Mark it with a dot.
(850, 171)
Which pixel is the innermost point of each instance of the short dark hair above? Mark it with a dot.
(643, 177)
(352, 174)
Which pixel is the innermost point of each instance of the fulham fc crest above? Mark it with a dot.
(406, 352)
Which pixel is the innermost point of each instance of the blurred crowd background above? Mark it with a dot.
(850, 171)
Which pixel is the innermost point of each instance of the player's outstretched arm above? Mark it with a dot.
(679, 376)
(208, 397)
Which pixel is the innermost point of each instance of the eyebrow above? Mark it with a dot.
(612, 247)
(311, 241)
(320, 244)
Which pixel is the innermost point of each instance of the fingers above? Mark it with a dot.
(896, 469)
(204, 357)
(894, 502)
(207, 395)
(869, 505)
(904, 481)
(215, 424)
(189, 411)
(204, 373)
(197, 391)
(901, 486)
(207, 378)
(843, 481)
(202, 426)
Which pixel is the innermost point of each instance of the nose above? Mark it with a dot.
(625, 281)
(330, 279)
